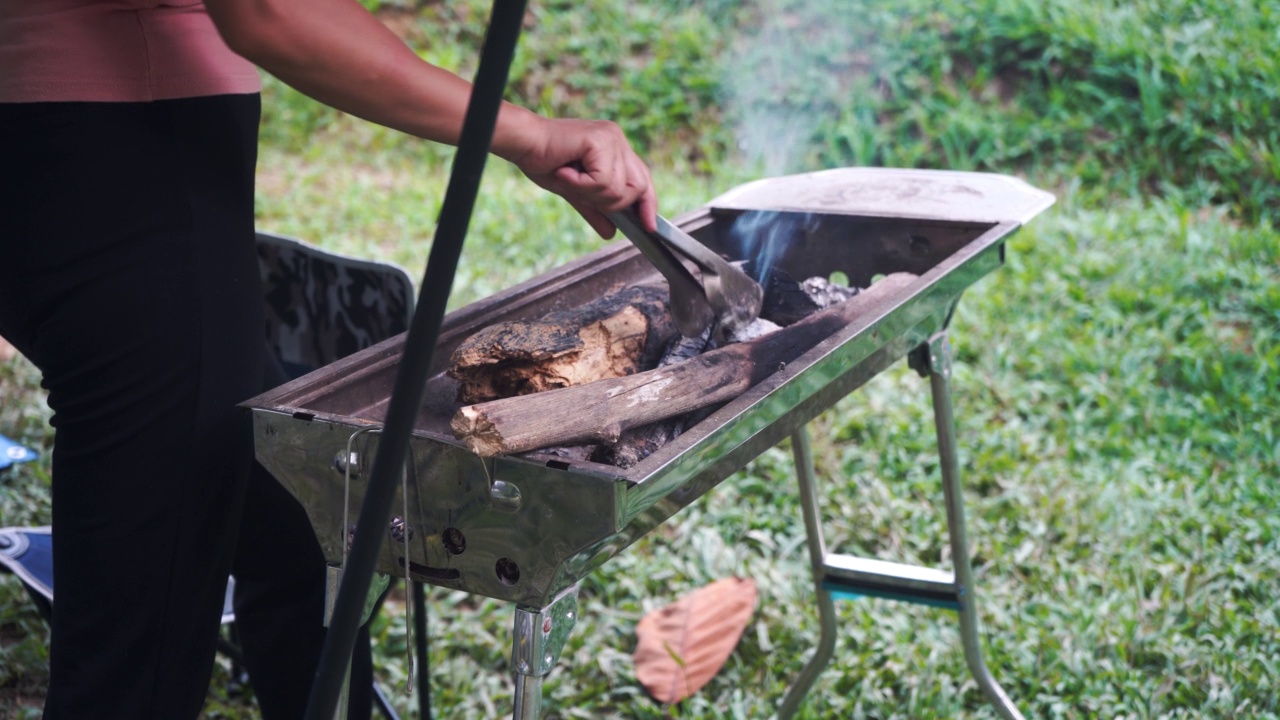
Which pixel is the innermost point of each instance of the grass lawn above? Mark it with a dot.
(1117, 384)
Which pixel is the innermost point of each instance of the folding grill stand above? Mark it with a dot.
(835, 575)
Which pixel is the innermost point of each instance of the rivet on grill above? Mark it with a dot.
(399, 530)
(343, 461)
(505, 496)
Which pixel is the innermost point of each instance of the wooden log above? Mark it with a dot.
(601, 411)
(619, 334)
(638, 443)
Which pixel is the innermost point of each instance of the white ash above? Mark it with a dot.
(757, 328)
(825, 293)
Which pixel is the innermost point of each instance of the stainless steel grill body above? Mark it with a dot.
(524, 528)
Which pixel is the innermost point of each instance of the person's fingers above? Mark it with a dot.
(646, 201)
(609, 187)
(571, 176)
(581, 190)
(594, 168)
(647, 209)
(596, 219)
(595, 180)
(616, 168)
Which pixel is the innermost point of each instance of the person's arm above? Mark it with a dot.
(336, 52)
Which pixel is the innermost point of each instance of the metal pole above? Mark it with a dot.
(415, 364)
(944, 421)
(420, 647)
(332, 580)
(528, 697)
(818, 560)
(538, 636)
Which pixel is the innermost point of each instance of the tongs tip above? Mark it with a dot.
(725, 293)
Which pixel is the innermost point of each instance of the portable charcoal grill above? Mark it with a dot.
(526, 529)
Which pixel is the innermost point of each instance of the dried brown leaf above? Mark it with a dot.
(683, 645)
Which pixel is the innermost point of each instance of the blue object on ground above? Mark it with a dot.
(28, 553)
(11, 452)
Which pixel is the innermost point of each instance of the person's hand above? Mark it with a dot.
(591, 165)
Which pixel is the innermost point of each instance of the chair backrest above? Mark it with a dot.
(322, 306)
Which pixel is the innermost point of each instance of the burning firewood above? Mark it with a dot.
(787, 301)
(639, 443)
(619, 334)
(603, 410)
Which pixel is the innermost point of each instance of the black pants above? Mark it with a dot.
(128, 276)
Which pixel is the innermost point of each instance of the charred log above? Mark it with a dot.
(639, 443)
(787, 301)
(618, 335)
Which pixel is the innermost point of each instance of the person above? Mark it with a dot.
(128, 134)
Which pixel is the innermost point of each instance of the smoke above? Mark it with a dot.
(785, 79)
(784, 86)
(761, 236)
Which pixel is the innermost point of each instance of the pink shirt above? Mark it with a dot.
(115, 50)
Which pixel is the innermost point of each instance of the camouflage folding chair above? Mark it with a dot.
(322, 306)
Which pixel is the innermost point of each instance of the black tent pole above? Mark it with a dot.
(415, 364)
(420, 650)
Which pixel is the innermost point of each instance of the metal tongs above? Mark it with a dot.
(724, 294)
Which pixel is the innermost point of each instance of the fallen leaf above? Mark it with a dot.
(7, 351)
(683, 645)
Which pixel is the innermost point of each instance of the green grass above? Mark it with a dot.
(1117, 383)
(1168, 97)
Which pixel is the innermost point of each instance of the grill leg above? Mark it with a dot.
(528, 699)
(817, 558)
(536, 642)
(420, 648)
(848, 575)
(940, 383)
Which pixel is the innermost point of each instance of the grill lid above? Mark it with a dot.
(894, 192)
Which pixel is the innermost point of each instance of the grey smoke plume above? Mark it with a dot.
(779, 82)
(762, 236)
